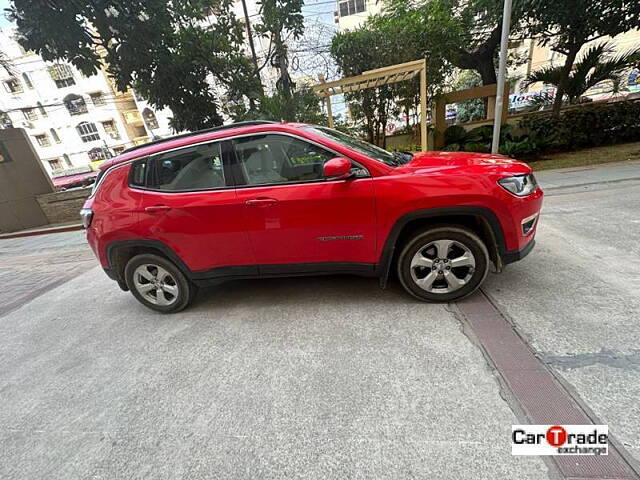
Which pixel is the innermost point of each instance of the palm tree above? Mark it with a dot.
(596, 65)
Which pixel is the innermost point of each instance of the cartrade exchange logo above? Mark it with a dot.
(559, 440)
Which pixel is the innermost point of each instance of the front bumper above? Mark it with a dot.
(515, 255)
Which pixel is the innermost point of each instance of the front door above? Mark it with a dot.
(191, 206)
(293, 214)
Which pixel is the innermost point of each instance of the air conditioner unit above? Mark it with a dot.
(27, 125)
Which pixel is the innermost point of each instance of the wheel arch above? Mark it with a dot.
(121, 251)
(480, 220)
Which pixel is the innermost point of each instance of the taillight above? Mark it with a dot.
(87, 215)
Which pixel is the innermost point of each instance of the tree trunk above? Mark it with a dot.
(564, 79)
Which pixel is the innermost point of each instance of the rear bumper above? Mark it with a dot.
(515, 255)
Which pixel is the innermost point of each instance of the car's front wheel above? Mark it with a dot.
(443, 264)
(158, 284)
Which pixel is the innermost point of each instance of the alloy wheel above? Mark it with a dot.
(155, 284)
(442, 266)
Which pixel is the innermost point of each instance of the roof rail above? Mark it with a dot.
(206, 130)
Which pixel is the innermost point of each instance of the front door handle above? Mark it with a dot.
(261, 202)
(157, 208)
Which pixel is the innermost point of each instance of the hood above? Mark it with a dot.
(468, 161)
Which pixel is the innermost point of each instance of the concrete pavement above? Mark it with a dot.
(576, 297)
(323, 377)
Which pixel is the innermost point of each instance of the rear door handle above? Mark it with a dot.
(157, 208)
(261, 202)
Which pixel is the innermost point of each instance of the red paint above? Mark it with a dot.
(556, 436)
(302, 222)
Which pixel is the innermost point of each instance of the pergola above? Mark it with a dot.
(377, 78)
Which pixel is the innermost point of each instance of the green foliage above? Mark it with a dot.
(355, 52)
(280, 18)
(300, 105)
(166, 50)
(584, 126)
(596, 65)
(469, 110)
(570, 24)
(587, 125)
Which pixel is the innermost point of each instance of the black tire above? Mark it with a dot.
(182, 290)
(422, 242)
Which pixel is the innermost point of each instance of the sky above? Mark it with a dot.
(3, 21)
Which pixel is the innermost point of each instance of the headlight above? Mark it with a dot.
(521, 185)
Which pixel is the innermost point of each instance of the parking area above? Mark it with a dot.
(326, 377)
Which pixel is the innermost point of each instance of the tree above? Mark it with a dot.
(281, 18)
(168, 51)
(570, 24)
(596, 65)
(464, 33)
(355, 52)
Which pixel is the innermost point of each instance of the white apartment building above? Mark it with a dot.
(353, 13)
(71, 119)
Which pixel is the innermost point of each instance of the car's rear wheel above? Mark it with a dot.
(158, 284)
(443, 264)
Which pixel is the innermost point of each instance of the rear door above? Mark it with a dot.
(296, 216)
(191, 206)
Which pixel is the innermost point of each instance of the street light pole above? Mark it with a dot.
(502, 67)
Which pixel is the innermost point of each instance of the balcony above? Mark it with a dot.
(133, 117)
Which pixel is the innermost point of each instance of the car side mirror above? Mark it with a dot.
(337, 168)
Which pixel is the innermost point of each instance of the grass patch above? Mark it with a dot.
(588, 156)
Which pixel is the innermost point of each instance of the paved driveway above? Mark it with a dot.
(318, 377)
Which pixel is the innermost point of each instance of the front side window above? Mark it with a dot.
(366, 148)
(88, 132)
(271, 158)
(193, 168)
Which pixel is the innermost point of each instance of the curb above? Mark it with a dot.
(42, 231)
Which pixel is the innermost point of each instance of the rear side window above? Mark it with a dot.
(192, 168)
(139, 174)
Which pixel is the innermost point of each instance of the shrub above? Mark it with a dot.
(588, 125)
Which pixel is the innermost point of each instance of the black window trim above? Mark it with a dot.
(239, 173)
(151, 164)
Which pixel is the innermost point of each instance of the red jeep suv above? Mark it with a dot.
(265, 199)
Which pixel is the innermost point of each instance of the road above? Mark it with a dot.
(323, 377)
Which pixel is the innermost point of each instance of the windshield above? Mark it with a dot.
(394, 159)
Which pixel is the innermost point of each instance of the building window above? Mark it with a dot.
(351, 7)
(118, 150)
(88, 132)
(67, 160)
(5, 121)
(43, 112)
(30, 114)
(111, 129)
(13, 85)
(97, 154)
(150, 119)
(27, 81)
(43, 140)
(54, 134)
(62, 75)
(55, 165)
(75, 104)
(98, 99)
